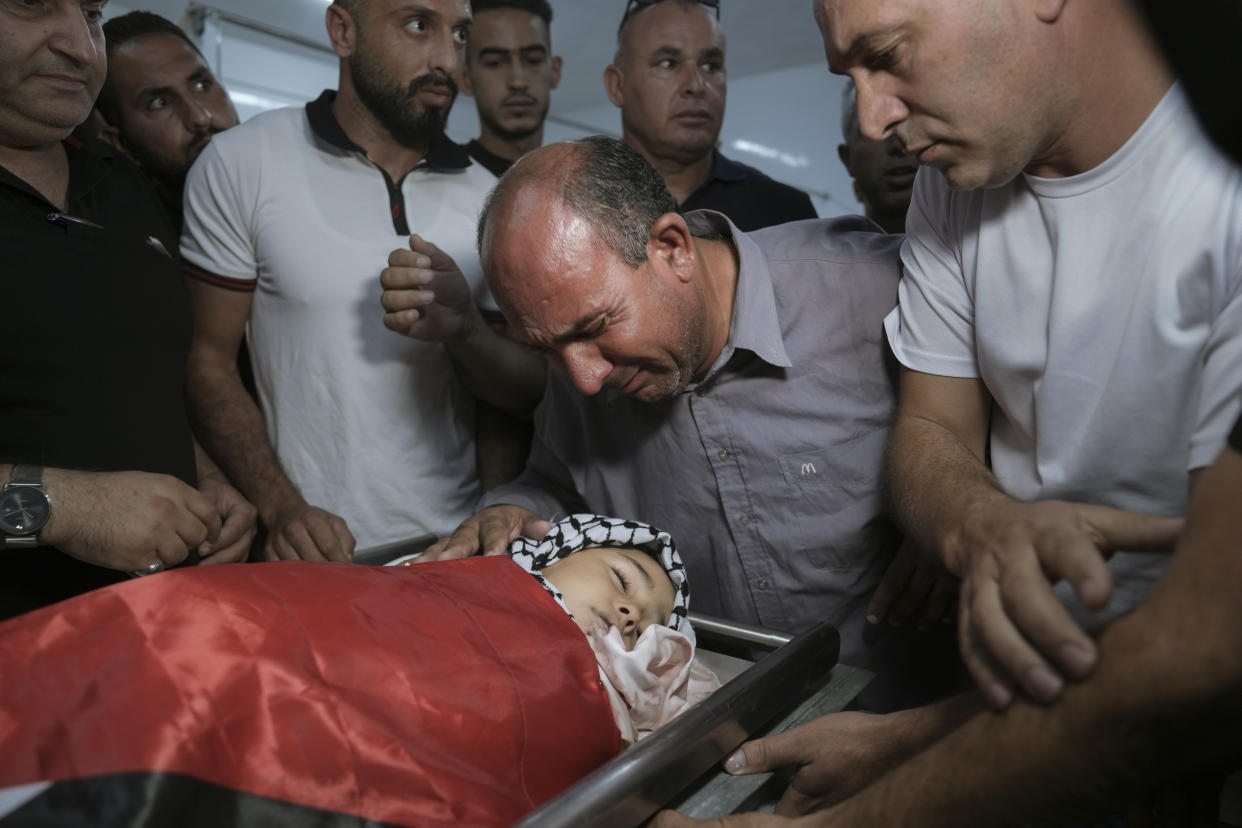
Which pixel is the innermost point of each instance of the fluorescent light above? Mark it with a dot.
(771, 153)
(257, 101)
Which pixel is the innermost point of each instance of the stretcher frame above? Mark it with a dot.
(678, 767)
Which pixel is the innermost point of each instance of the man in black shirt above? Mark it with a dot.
(668, 78)
(95, 340)
(510, 72)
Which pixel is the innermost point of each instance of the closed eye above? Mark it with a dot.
(625, 583)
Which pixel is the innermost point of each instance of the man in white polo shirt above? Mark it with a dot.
(370, 437)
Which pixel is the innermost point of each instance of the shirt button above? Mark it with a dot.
(746, 519)
(723, 454)
(762, 583)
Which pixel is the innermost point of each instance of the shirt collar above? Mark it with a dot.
(754, 326)
(724, 169)
(89, 160)
(443, 154)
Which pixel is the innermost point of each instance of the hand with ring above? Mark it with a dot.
(155, 566)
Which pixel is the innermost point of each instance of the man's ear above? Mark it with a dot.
(556, 71)
(612, 84)
(342, 30)
(110, 134)
(1049, 11)
(670, 247)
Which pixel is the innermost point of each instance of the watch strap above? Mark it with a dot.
(26, 475)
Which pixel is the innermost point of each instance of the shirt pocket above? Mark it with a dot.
(835, 503)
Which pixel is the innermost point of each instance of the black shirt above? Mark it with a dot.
(748, 197)
(1235, 439)
(494, 163)
(93, 347)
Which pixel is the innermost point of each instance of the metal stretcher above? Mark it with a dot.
(678, 767)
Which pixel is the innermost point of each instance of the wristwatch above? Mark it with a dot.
(24, 508)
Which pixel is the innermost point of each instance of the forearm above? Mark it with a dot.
(498, 370)
(938, 483)
(502, 444)
(1165, 700)
(204, 466)
(534, 491)
(230, 426)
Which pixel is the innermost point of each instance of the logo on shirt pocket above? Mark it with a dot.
(834, 495)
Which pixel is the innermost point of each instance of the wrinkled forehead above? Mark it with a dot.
(850, 27)
(544, 263)
(154, 55)
(690, 27)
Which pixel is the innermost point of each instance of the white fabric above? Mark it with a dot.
(1102, 311)
(368, 424)
(653, 683)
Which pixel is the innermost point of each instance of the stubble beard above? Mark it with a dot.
(395, 107)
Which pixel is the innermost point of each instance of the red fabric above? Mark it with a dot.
(446, 694)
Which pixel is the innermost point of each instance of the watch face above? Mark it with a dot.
(23, 510)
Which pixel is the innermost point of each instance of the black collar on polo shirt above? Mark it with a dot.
(443, 154)
(725, 169)
(89, 161)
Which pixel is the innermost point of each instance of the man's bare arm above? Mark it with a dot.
(1012, 629)
(1164, 702)
(231, 428)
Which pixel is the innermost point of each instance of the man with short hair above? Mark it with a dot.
(510, 73)
(369, 438)
(99, 473)
(883, 172)
(668, 78)
(731, 387)
(1072, 306)
(160, 102)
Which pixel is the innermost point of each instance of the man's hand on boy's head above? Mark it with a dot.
(488, 533)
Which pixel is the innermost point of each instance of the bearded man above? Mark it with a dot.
(369, 438)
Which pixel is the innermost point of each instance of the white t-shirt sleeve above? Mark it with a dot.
(1220, 398)
(932, 329)
(220, 195)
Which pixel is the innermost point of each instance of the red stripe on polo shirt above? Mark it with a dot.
(239, 285)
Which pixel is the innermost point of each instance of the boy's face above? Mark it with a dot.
(621, 587)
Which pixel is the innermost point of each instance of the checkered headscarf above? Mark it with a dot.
(576, 532)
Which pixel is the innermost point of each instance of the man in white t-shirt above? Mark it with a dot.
(370, 437)
(1069, 322)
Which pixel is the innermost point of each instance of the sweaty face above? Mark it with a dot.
(403, 63)
(617, 586)
(883, 174)
(965, 85)
(599, 321)
(511, 71)
(52, 64)
(672, 81)
(169, 104)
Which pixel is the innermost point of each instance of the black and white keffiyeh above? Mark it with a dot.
(583, 531)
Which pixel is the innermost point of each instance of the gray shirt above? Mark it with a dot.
(768, 473)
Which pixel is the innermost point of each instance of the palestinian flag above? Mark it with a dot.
(444, 694)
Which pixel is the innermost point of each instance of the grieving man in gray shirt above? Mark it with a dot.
(731, 388)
